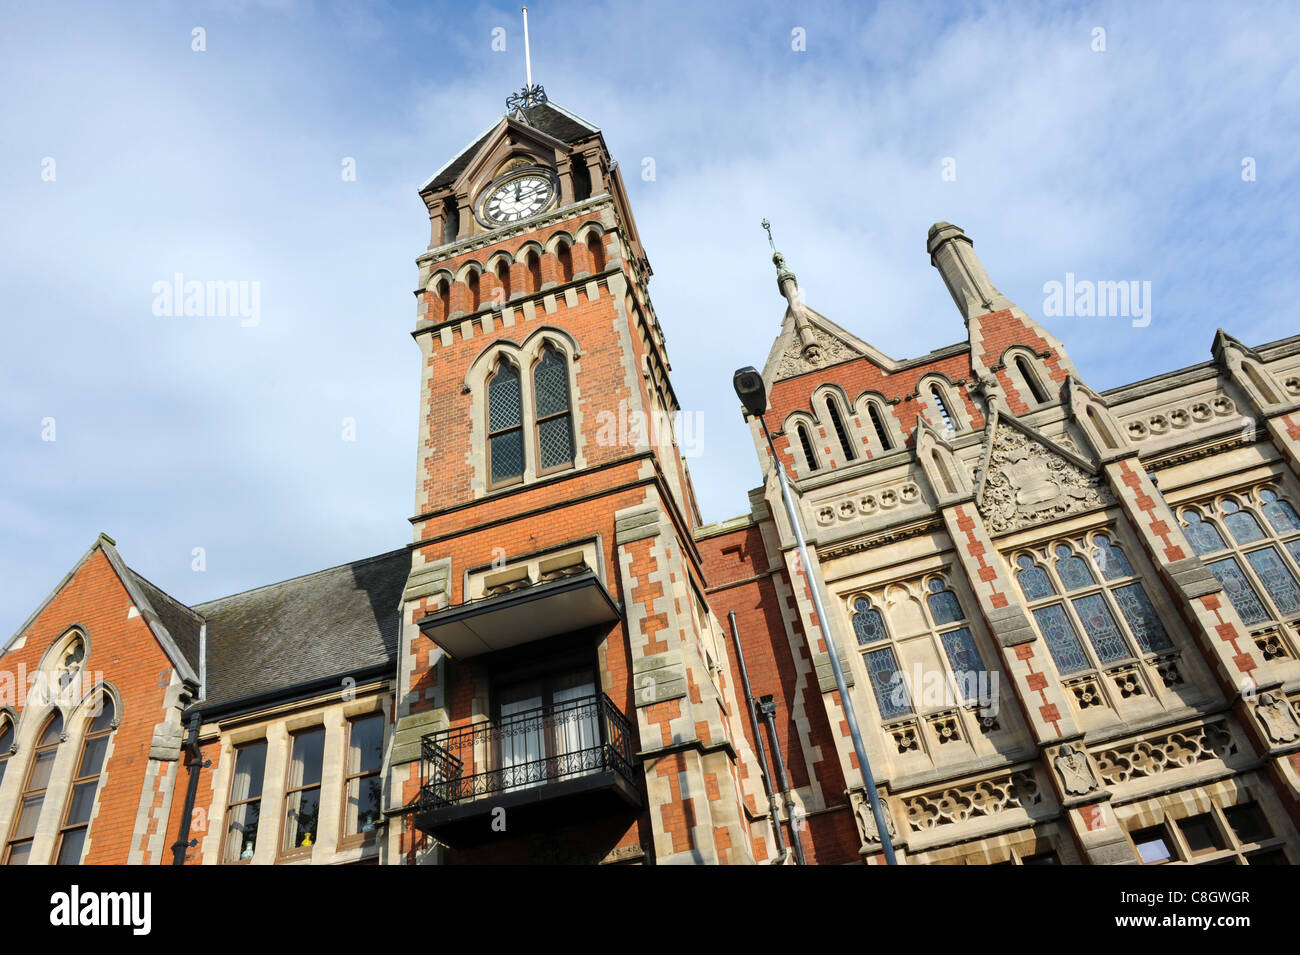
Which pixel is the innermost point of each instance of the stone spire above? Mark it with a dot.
(953, 254)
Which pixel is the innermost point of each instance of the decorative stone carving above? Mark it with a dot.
(1027, 483)
(866, 820)
(1278, 718)
(1159, 754)
(865, 504)
(1077, 777)
(987, 797)
(811, 348)
(1178, 417)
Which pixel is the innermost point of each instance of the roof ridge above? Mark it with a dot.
(176, 600)
(314, 573)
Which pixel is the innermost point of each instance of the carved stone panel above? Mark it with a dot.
(1028, 483)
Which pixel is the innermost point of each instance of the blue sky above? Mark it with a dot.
(176, 433)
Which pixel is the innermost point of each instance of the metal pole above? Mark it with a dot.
(758, 734)
(528, 56)
(768, 707)
(823, 624)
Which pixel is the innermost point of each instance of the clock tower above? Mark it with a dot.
(564, 690)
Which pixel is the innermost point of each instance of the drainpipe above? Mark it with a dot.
(758, 736)
(767, 706)
(183, 840)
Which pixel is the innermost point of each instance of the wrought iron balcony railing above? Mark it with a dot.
(551, 744)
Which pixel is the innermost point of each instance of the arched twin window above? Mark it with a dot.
(74, 823)
(550, 441)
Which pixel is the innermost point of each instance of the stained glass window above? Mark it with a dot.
(887, 682)
(867, 623)
(1205, 538)
(1278, 581)
(1072, 569)
(1241, 525)
(505, 424)
(1061, 639)
(1142, 618)
(1280, 513)
(1239, 590)
(554, 425)
(967, 665)
(1033, 579)
(1110, 559)
(1099, 625)
(944, 606)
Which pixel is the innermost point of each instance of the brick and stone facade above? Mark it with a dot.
(1067, 618)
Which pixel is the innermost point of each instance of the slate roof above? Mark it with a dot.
(323, 624)
(181, 622)
(550, 119)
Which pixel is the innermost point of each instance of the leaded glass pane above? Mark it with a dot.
(1110, 559)
(1293, 548)
(1142, 618)
(1243, 527)
(555, 438)
(505, 407)
(1280, 513)
(967, 666)
(1061, 639)
(1204, 537)
(1099, 624)
(507, 455)
(887, 682)
(945, 608)
(1277, 579)
(1239, 590)
(551, 384)
(1074, 572)
(868, 624)
(1034, 582)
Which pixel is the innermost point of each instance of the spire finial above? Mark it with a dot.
(530, 95)
(767, 226)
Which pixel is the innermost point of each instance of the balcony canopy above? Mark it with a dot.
(523, 615)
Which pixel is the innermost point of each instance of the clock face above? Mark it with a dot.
(517, 198)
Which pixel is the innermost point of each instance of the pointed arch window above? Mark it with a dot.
(505, 425)
(837, 421)
(6, 745)
(76, 817)
(892, 697)
(565, 256)
(534, 264)
(28, 811)
(809, 454)
(941, 407)
(1031, 380)
(553, 414)
(596, 245)
(882, 433)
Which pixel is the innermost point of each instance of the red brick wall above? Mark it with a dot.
(128, 655)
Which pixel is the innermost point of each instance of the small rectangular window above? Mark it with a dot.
(1201, 833)
(1153, 845)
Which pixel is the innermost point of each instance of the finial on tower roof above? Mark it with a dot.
(782, 273)
(530, 95)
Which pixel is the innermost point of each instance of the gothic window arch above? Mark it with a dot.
(877, 418)
(596, 246)
(1250, 542)
(22, 832)
(442, 296)
(1089, 603)
(1025, 368)
(475, 295)
(564, 255)
(75, 825)
(944, 410)
(503, 279)
(552, 411)
(505, 425)
(841, 432)
(533, 263)
(809, 452)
